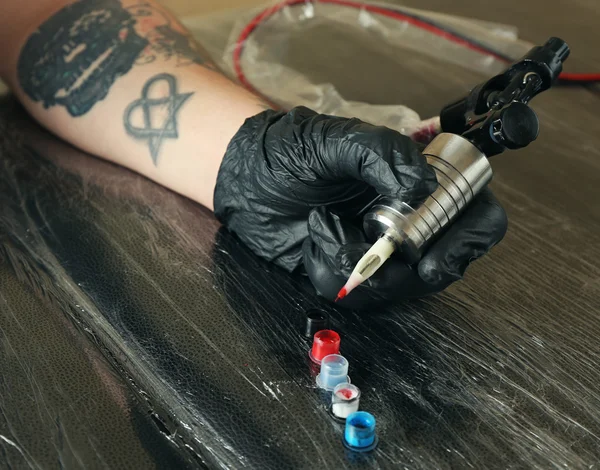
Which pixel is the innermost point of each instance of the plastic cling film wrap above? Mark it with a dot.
(268, 49)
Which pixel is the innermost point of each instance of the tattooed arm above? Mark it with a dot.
(122, 79)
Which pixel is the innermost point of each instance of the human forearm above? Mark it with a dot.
(123, 80)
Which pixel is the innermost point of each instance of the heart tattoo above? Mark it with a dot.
(169, 104)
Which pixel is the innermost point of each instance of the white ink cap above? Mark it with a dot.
(334, 371)
(344, 400)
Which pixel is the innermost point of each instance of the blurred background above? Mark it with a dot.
(200, 7)
(573, 20)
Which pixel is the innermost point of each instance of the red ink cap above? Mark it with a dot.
(325, 342)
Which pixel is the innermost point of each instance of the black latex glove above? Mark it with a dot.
(284, 174)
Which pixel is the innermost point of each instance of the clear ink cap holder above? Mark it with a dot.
(334, 371)
(345, 400)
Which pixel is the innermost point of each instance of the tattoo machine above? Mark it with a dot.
(493, 117)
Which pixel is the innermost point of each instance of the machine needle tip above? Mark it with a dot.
(341, 294)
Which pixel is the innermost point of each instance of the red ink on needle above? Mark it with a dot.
(341, 294)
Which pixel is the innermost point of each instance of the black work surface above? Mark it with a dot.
(119, 299)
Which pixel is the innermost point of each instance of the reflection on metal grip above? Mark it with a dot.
(462, 171)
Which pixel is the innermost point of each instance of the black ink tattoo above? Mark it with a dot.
(168, 128)
(167, 38)
(73, 58)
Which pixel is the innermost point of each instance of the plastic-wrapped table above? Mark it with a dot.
(134, 332)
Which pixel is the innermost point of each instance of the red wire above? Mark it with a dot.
(268, 12)
(245, 34)
(580, 77)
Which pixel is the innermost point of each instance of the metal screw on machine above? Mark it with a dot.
(492, 118)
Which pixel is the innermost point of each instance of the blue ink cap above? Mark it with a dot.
(359, 434)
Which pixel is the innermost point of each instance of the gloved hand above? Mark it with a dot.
(290, 186)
